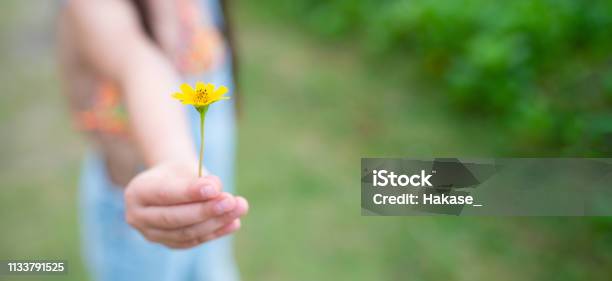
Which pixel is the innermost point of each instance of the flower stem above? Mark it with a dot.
(202, 110)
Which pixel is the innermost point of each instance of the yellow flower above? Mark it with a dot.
(201, 98)
(203, 95)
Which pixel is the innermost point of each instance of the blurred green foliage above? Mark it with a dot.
(541, 69)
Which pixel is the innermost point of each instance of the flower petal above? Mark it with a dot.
(200, 86)
(218, 99)
(187, 89)
(220, 91)
(209, 88)
(178, 96)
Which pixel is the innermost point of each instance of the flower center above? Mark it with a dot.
(201, 96)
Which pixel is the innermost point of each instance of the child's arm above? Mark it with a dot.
(167, 203)
(110, 38)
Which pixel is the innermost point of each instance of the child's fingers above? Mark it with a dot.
(175, 191)
(224, 230)
(201, 231)
(242, 205)
(227, 229)
(220, 232)
(183, 215)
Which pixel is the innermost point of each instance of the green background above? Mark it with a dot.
(315, 100)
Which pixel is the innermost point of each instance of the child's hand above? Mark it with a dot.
(173, 207)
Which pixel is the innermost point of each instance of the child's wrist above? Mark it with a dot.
(182, 165)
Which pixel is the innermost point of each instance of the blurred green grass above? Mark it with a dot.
(310, 112)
